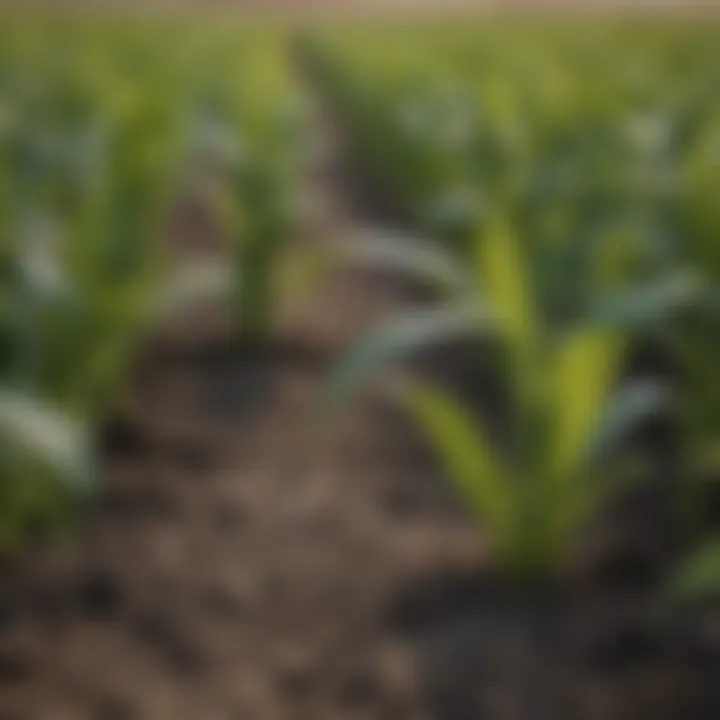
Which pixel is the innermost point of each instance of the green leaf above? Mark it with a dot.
(648, 302)
(584, 371)
(631, 405)
(396, 340)
(388, 250)
(47, 435)
(699, 575)
(465, 452)
(505, 285)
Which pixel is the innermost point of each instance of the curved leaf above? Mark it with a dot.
(388, 250)
(633, 403)
(48, 435)
(585, 369)
(649, 302)
(504, 282)
(396, 340)
(465, 452)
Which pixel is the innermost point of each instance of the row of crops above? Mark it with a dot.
(568, 193)
(567, 180)
(105, 128)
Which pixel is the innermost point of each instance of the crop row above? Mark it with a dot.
(568, 193)
(105, 128)
(567, 180)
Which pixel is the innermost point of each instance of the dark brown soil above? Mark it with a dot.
(249, 559)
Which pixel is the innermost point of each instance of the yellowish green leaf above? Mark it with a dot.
(585, 369)
(466, 453)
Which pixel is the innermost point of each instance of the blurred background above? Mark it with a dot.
(303, 7)
(358, 360)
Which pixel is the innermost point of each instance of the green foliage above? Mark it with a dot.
(250, 127)
(698, 577)
(567, 412)
(608, 166)
(47, 470)
(105, 128)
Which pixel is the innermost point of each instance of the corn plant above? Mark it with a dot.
(247, 132)
(263, 182)
(535, 491)
(89, 266)
(98, 135)
(81, 279)
(87, 159)
(590, 157)
(608, 168)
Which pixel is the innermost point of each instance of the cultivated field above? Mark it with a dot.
(359, 370)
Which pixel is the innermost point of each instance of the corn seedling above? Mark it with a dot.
(96, 138)
(248, 130)
(536, 491)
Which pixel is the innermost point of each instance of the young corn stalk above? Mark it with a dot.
(46, 462)
(81, 265)
(92, 269)
(568, 407)
(250, 133)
